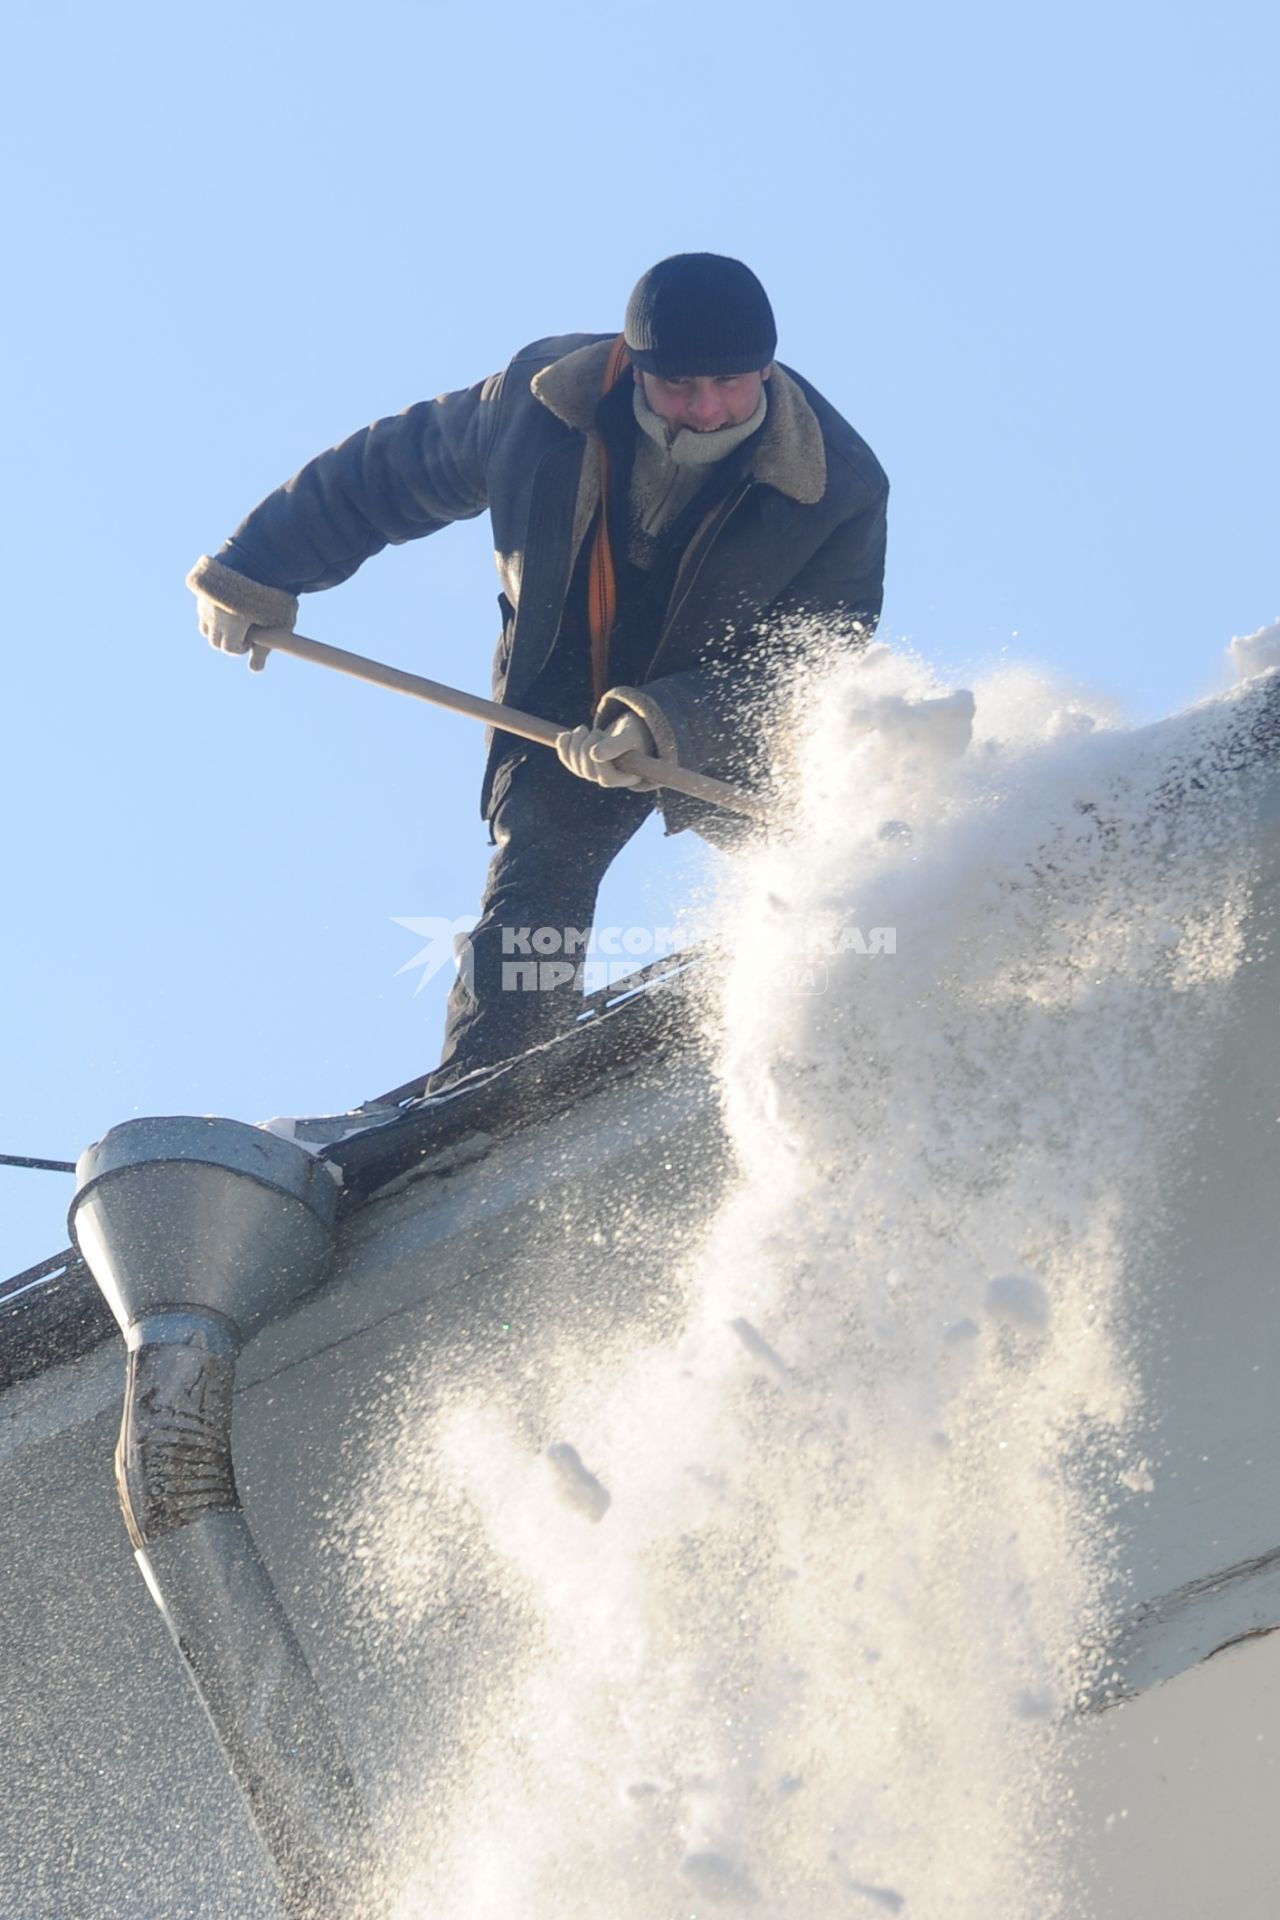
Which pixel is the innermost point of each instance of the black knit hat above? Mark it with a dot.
(700, 313)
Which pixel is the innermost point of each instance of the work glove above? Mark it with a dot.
(593, 752)
(229, 606)
(229, 632)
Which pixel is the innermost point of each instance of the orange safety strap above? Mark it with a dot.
(602, 579)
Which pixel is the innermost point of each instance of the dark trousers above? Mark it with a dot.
(519, 979)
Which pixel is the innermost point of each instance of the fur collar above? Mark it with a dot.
(790, 455)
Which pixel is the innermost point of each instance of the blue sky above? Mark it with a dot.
(1029, 251)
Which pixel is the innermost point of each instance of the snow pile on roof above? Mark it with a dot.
(1254, 653)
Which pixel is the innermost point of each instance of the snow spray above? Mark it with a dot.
(789, 1610)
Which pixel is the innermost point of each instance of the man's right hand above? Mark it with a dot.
(229, 632)
(592, 752)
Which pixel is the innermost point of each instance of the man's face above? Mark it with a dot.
(704, 402)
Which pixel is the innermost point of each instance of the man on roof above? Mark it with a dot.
(676, 518)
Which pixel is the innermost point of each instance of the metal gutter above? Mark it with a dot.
(198, 1232)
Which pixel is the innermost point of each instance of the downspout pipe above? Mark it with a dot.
(199, 1231)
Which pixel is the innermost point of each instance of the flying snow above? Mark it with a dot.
(849, 1558)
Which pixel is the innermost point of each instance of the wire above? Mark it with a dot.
(49, 1166)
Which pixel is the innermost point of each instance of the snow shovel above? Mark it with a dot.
(527, 726)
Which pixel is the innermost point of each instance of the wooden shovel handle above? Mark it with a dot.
(527, 726)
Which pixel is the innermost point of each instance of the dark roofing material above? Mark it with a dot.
(503, 1100)
(50, 1313)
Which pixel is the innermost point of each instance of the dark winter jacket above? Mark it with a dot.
(800, 530)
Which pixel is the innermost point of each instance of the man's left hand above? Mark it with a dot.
(593, 752)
